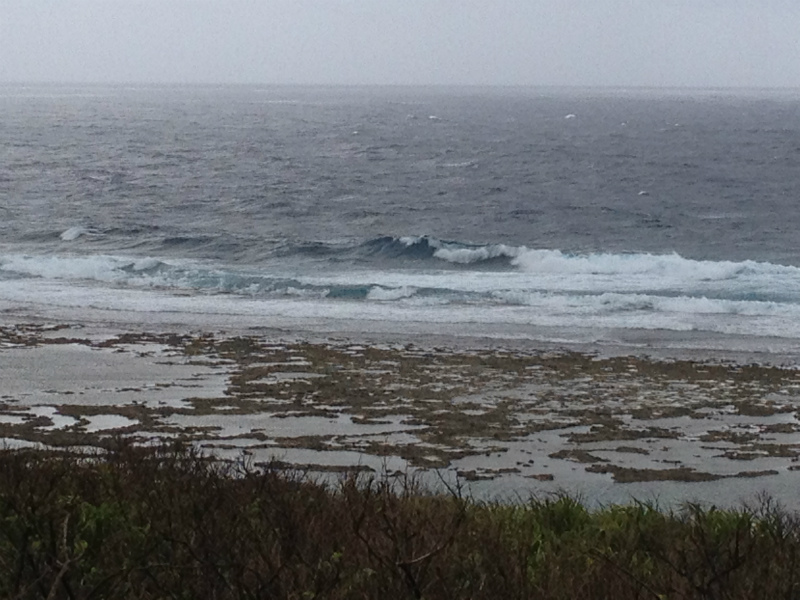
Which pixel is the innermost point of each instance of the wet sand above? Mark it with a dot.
(509, 422)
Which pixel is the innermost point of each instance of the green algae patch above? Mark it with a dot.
(631, 475)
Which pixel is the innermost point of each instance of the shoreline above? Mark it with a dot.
(657, 344)
(510, 421)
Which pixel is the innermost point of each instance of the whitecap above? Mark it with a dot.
(458, 165)
(73, 233)
(387, 294)
(146, 264)
(555, 261)
(462, 255)
(410, 240)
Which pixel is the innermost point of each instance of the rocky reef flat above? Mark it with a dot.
(509, 423)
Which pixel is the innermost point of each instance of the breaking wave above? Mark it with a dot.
(557, 262)
(73, 233)
(540, 287)
(425, 247)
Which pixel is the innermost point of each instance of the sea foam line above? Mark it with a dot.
(541, 272)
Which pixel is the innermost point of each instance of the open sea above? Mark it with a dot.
(650, 219)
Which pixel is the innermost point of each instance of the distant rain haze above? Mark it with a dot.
(661, 43)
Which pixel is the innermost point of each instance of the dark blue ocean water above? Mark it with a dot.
(573, 212)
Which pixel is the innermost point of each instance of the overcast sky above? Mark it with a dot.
(706, 43)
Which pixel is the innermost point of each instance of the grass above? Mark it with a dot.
(136, 523)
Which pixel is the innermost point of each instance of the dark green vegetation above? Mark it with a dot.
(168, 523)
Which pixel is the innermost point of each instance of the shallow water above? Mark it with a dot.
(506, 423)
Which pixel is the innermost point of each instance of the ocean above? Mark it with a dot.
(658, 220)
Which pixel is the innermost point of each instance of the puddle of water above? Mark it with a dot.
(291, 376)
(13, 419)
(59, 421)
(79, 375)
(105, 422)
(274, 426)
(396, 439)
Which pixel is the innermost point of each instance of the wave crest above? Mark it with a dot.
(73, 233)
(427, 247)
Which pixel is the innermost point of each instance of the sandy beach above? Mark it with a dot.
(509, 422)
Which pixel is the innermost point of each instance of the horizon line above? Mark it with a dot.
(640, 87)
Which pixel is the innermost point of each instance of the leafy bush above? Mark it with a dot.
(170, 523)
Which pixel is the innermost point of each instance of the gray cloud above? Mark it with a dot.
(507, 42)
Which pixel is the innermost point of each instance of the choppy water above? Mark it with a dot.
(571, 215)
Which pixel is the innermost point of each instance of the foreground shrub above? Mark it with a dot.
(169, 523)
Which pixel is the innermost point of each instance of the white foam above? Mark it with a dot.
(555, 261)
(102, 268)
(542, 310)
(99, 268)
(458, 253)
(626, 306)
(458, 165)
(465, 256)
(385, 294)
(538, 271)
(304, 293)
(145, 263)
(73, 233)
(410, 240)
(547, 289)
